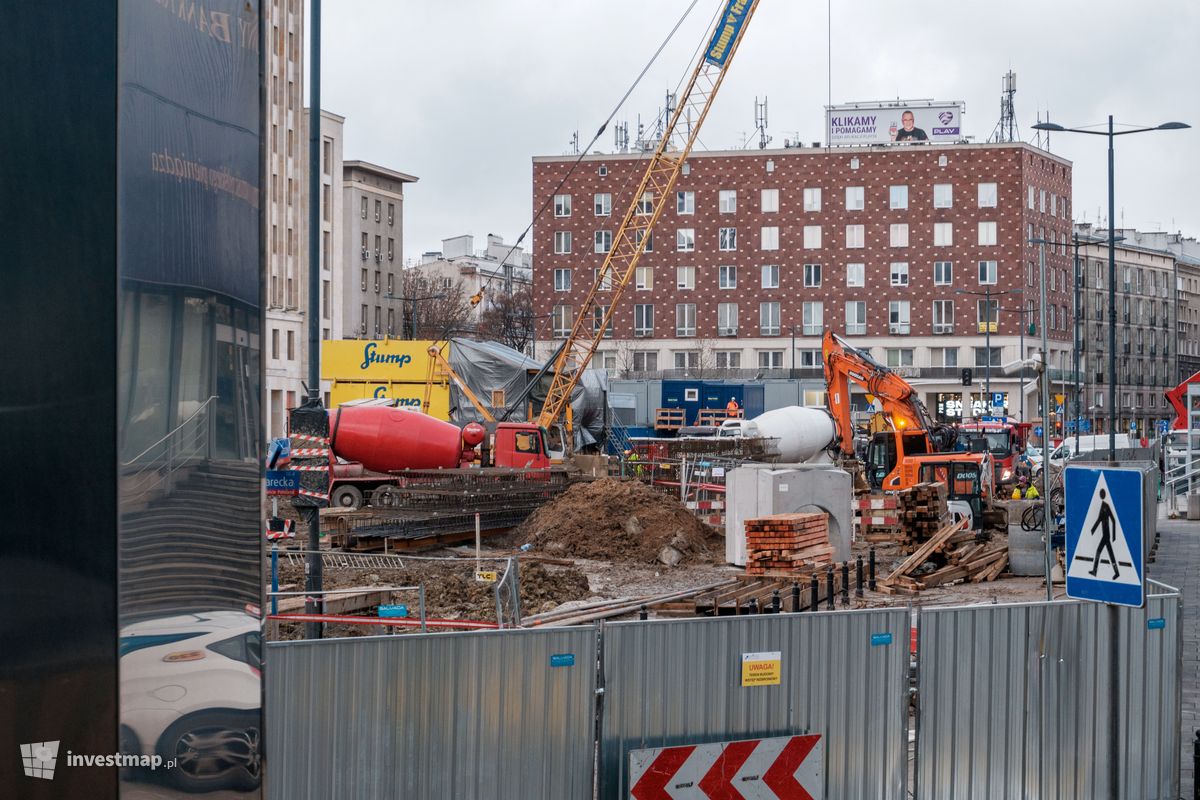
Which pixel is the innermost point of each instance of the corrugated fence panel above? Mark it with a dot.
(679, 682)
(1013, 701)
(473, 715)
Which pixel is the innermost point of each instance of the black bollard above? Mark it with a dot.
(845, 583)
(795, 596)
(752, 606)
(816, 592)
(829, 587)
(775, 602)
(858, 577)
(643, 613)
(871, 571)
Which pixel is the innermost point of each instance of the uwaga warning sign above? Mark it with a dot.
(761, 669)
(1104, 535)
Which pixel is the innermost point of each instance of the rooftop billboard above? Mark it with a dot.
(887, 123)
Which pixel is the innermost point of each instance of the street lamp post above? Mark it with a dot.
(992, 319)
(1041, 243)
(1112, 260)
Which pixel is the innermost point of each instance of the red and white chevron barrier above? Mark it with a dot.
(782, 768)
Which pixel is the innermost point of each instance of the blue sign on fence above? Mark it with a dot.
(562, 660)
(1104, 535)
(282, 481)
(393, 610)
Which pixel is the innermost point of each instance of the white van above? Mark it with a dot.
(1094, 443)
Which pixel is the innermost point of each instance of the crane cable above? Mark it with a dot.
(478, 296)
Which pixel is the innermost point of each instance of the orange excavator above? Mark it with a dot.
(909, 445)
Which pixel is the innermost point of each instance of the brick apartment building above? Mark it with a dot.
(895, 247)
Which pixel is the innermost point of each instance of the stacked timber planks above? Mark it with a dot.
(906, 518)
(961, 556)
(787, 543)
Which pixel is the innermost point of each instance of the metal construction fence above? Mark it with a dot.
(499, 714)
(1011, 701)
(1016, 700)
(841, 674)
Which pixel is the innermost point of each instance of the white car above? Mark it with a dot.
(191, 690)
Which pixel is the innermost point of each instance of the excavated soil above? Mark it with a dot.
(615, 520)
(451, 591)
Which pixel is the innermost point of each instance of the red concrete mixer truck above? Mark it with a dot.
(375, 440)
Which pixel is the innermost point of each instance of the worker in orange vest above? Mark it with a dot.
(732, 408)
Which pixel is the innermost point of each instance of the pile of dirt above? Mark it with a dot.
(615, 520)
(451, 591)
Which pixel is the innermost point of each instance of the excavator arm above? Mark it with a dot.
(845, 363)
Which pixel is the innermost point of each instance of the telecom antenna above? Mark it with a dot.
(575, 143)
(621, 135)
(760, 122)
(668, 112)
(1006, 128)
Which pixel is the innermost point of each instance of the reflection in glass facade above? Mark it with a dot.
(189, 380)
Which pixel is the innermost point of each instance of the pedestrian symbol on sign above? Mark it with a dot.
(1104, 535)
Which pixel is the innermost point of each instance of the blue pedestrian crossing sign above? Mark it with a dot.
(1104, 535)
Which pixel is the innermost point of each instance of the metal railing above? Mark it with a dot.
(186, 443)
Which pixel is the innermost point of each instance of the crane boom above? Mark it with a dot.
(646, 206)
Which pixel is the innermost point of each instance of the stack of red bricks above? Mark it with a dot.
(787, 543)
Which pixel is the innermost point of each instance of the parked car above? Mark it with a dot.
(191, 688)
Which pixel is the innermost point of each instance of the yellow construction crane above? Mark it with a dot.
(439, 367)
(646, 206)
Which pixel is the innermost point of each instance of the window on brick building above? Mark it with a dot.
(943, 234)
(645, 361)
(562, 242)
(645, 204)
(898, 234)
(643, 320)
(727, 319)
(898, 317)
(812, 315)
(729, 359)
(987, 234)
(685, 240)
(856, 317)
(899, 273)
(685, 202)
(943, 273)
(987, 195)
(770, 238)
(603, 241)
(562, 317)
(727, 239)
(768, 319)
(562, 205)
(644, 278)
(944, 356)
(770, 359)
(855, 236)
(856, 274)
(602, 204)
(812, 237)
(727, 201)
(899, 356)
(685, 319)
(812, 275)
(727, 277)
(562, 280)
(855, 197)
(943, 316)
(687, 359)
(943, 195)
(812, 199)
(770, 276)
(685, 278)
(770, 201)
(988, 272)
(898, 197)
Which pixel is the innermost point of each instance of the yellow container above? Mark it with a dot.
(384, 368)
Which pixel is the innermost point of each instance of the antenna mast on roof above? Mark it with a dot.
(621, 135)
(1006, 128)
(760, 122)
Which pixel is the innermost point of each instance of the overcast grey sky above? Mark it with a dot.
(462, 93)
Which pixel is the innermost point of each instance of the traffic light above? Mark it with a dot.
(966, 377)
